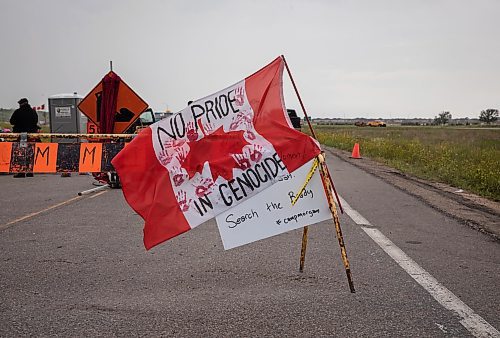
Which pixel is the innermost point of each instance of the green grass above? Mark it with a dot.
(464, 158)
(5, 114)
(467, 158)
(45, 128)
(5, 125)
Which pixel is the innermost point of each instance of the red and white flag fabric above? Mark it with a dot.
(212, 155)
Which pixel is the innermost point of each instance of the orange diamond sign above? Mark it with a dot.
(129, 106)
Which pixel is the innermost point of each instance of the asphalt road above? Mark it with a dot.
(80, 269)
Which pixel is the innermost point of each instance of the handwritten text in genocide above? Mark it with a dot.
(239, 187)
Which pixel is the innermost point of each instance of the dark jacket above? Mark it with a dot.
(24, 119)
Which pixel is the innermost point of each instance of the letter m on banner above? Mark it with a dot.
(212, 155)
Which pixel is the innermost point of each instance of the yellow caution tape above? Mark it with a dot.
(308, 178)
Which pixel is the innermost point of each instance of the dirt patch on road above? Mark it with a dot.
(477, 212)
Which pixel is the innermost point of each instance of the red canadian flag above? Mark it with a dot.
(209, 157)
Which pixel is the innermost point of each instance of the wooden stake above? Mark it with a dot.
(309, 124)
(300, 99)
(323, 169)
(304, 234)
(303, 249)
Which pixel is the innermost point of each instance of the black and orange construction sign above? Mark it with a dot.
(129, 106)
(92, 128)
(57, 157)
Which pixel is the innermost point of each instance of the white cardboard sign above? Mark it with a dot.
(271, 212)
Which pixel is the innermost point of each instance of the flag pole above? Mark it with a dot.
(323, 169)
(310, 127)
(304, 234)
(300, 99)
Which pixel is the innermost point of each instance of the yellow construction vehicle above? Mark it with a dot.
(376, 124)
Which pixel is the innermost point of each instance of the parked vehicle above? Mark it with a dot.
(145, 119)
(159, 115)
(294, 118)
(376, 124)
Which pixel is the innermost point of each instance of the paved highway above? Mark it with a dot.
(76, 266)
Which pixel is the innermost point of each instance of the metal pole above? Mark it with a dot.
(90, 191)
(111, 65)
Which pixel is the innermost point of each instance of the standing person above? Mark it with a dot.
(24, 120)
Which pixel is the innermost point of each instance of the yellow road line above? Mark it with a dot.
(99, 193)
(6, 225)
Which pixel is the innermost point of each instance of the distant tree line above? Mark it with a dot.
(488, 116)
(442, 118)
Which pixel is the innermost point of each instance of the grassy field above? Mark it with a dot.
(45, 128)
(5, 114)
(467, 158)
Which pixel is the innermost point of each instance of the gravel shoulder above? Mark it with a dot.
(477, 212)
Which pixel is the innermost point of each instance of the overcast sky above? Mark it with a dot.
(349, 58)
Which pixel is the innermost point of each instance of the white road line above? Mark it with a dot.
(474, 323)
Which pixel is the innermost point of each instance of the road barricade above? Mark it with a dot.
(91, 153)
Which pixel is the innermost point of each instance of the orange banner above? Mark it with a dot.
(5, 154)
(90, 157)
(45, 158)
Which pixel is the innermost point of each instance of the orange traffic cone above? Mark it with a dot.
(355, 151)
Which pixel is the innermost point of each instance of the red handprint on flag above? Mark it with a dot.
(165, 158)
(192, 133)
(179, 176)
(239, 95)
(203, 187)
(181, 197)
(243, 117)
(181, 154)
(174, 143)
(250, 135)
(242, 161)
(208, 129)
(255, 154)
